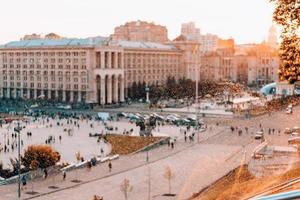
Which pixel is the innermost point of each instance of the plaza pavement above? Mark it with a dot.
(195, 165)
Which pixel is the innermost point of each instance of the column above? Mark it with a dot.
(109, 59)
(15, 93)
(28, 93)
(21, 93)
(8, 93)
(1, 93)
(56, 94)
(64, 95)
(49, 94)
(116, 98)
(109, 90)
(34, 93)
(116, 61)
(71, 96)
(122, 61)
(102, 91)
(79, 97)
(42, 93)
(122, 89)
(102, 56)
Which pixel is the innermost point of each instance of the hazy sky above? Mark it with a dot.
(244, 20)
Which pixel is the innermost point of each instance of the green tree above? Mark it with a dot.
(287, 15)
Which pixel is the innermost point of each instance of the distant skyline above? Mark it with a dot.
(247, 21)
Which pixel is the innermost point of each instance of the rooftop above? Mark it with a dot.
(56, 42)
(145, 45)
(86, 42)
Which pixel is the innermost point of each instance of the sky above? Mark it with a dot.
(246, 21)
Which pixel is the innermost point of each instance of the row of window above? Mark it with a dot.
(76, 53)
(133, 65)
(45, 60)
(38, 78)
(68, 67)
(45, 73)
(152, 71)
(45, 86)
(152, 60)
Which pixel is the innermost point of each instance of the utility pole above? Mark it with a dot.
(18, 130)
(196, 54)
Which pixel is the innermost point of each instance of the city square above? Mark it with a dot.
(140, 100)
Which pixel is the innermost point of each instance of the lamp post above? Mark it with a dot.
(195, 52)
(18, 130)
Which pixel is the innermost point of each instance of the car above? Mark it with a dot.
(295, 129)
(258, 135)
(288, 111)
(294, 134)
(287, 131)
(121, 114)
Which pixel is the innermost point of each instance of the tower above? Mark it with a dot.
(272, 37)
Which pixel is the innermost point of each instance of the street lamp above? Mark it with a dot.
(18, 130)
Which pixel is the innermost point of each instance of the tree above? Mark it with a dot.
(287, 15)
(169, 175)
(126, 188)
(42, 156)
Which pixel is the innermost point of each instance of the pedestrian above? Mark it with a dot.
(172, 145)
(185, 138)
(45, 173)
(109, 166)
(232, 129)
(64, 175)
(24, 183)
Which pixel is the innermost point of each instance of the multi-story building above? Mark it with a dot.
(190, 31)
(71, 70)
(93, 70)
(263, 65)
(254, 65)
(191, 56)
(141, 31)
(272, 37)
(150, 63)
(209, 42)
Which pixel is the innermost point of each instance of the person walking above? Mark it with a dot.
(24, 183)
(64, 175)
(45, 173)
(109, 166)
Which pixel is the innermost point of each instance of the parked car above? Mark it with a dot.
(287, 131)
(258, 135)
